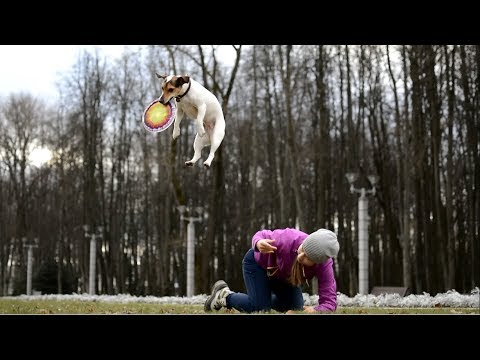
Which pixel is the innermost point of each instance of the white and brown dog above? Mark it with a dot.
(196, 102)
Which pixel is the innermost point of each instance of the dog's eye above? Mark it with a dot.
(170, 90)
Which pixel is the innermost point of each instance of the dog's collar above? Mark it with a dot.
(185, 93)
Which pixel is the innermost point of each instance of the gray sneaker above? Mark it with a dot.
(218, 298)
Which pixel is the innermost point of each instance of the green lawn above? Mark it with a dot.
(9, 306)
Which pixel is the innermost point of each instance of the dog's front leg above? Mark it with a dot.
(176, 123)
(200, 115)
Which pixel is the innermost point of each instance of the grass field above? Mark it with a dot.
(17, 306)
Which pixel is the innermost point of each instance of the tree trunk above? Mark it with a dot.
(286, 76)
(450, 81)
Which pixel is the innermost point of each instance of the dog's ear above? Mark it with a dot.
(161, 76)
(182, 80)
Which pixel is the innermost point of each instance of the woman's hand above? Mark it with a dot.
(265, 247)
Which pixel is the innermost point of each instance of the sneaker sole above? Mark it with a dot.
(219, 285)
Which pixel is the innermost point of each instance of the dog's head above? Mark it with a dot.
(171, 86)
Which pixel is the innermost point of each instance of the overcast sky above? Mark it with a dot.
(36, 68)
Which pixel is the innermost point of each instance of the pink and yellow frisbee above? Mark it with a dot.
(158, 117)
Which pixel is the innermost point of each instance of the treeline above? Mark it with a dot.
(298, 119)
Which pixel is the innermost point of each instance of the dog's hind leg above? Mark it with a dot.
(216, 140)
(198, 145)
(200, 116)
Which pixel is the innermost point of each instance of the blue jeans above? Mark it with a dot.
(264, 293)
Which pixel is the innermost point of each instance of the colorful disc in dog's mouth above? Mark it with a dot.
(158, 117)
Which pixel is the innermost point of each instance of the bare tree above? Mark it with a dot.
(86, 86)
(286, 73)
(448, 175)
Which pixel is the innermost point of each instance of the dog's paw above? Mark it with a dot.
(175, 134)
(201, 131)
(207, 164)
(189, 163)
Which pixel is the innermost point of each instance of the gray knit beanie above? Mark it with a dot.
(321, 245)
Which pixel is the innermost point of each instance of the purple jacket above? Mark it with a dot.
(287, 242)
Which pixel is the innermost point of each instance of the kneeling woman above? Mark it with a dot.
(274, 269)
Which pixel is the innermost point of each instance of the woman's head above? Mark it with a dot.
(316, 248)
(319, 246)
(302, 257)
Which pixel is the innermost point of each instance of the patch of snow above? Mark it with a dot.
(449, 299)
